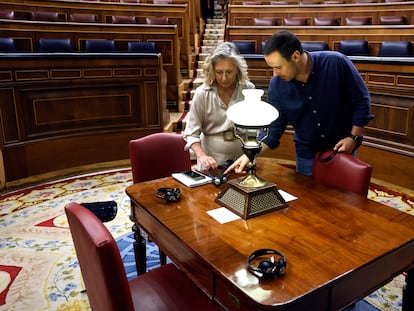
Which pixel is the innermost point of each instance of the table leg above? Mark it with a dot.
(140, 250)
(408, 292)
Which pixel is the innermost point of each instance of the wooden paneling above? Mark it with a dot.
(51, 123)
(178, 14)
(27, 34)
(243, 15)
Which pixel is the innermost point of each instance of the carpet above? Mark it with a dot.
(38, 265)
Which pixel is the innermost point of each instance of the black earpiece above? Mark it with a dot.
(218, 175)
(168, 194)
(267, 268)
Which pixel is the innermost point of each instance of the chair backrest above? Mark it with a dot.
(315, 46)
(358, 21)
(100, 46)
(4, 14)
(396, 49)
(121, 19)
(265, 21)
(158, 155)
(354, 47)
(44, 16)
(100, 262)
(393, 20)
(83, 18)
(343, 171)
(7, 45)
(326, 21)
(245, 47)
(157, 20)
(294, 21)
(55, 45)
(142, 47)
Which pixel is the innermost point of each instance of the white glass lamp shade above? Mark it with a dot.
(252, 111)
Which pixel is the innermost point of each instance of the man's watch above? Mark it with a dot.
(357, 140)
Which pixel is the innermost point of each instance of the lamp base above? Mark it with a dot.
(249, 202)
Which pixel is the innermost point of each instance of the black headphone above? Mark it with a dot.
(168, 194)
(267, 268)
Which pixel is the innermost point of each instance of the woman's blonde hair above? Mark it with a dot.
(225, 50)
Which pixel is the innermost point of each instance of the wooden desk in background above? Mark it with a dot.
(339, 246)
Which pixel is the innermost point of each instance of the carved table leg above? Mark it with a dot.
(163, 258)
(408, 292)
(140, 250)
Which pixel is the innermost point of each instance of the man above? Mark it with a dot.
(321, 94)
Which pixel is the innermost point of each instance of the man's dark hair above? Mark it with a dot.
(285, 42)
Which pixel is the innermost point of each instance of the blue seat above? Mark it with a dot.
(262, 46)
(142, 47)
(100, 46)
(7, 45)
(354, 47)
(396, 49)
(245, 47)
(47, 45)
(315, 46)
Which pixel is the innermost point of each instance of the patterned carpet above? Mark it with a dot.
(38, 265)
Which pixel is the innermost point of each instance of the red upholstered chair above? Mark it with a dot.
(7, 14)
(393, 20)
(117, 19)
(294, 21)
(358, 21)
(326, 21)
(83, 18)
(265, 21)
(343, 171)
(44, 16)
(166, 150)
(155, 156)
(106, 283)
(157, 20)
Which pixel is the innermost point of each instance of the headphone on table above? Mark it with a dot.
(168, 194)
(267, 268)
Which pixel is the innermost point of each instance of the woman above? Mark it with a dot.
(208, 132)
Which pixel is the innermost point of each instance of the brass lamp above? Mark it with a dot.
(251, 195)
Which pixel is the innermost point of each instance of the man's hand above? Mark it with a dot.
(346, 144)
(238, 165)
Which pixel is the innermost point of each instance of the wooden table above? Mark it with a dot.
(339, 246)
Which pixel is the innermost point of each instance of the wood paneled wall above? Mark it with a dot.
(178, 14)
(243, 15)
(27, 34)
(65, 111)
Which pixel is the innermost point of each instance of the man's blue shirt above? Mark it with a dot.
(322, 110)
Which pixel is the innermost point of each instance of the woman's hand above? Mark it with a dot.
(207, 162)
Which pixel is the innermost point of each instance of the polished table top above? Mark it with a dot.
(339, 246)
